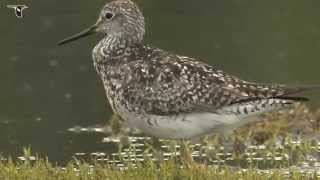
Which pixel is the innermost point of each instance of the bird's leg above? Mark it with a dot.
(154, 146)
(116, 124)
(119, 130)
(185, 153)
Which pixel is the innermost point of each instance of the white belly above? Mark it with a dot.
(182, 126)
(186, 126)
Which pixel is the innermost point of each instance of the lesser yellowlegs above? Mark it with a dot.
(167, 95)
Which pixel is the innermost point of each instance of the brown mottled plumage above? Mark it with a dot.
(167, 95)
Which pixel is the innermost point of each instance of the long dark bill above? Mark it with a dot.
(81, 34)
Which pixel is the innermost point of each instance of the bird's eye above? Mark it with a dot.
(108, 15)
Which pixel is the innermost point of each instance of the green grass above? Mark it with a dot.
(262, 158)
(42, 169)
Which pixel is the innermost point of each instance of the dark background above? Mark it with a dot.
(46, 89)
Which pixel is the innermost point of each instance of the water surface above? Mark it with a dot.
(46, 89)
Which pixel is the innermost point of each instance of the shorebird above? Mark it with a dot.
(168, 95)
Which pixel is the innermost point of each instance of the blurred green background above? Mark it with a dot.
(46, 89)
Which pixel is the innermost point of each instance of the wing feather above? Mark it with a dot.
(174, 84)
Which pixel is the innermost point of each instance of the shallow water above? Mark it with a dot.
(282, 155)
(46, 89)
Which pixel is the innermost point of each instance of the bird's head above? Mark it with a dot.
(118, 18)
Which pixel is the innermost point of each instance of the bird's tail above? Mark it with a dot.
(284, 92)
(290, 92)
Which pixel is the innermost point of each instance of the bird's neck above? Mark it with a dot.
(114, 46)
(114, 49)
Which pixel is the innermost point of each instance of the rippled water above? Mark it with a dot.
(293, 153)
(284, 155)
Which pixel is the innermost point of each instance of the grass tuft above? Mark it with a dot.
(285, 145)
